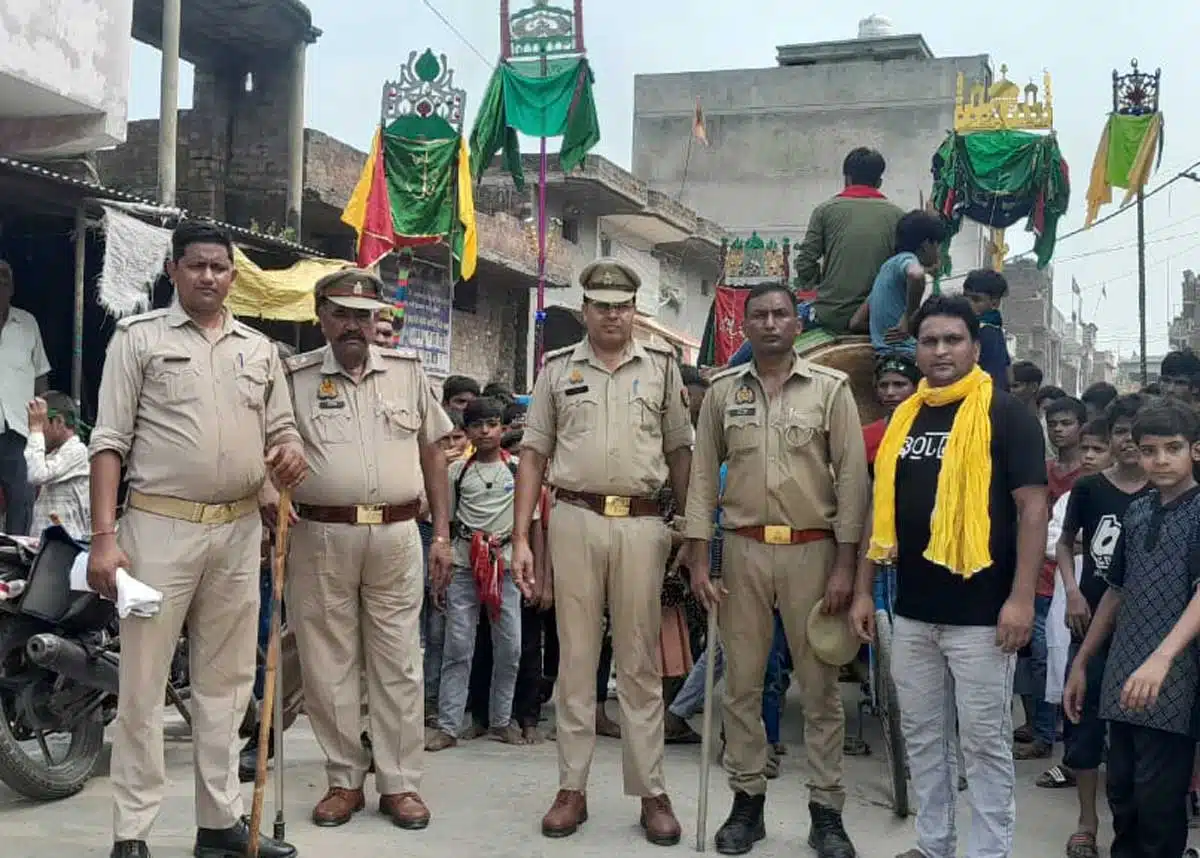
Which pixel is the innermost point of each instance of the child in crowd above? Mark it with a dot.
(456, 445)
(1150, 616)
(481, 495)
(986, 289)
(1093, 519)
(1097, 398)
(900, 284)
(1026, 382)
(1035, 741)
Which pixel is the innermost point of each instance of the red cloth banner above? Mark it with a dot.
(730, 307)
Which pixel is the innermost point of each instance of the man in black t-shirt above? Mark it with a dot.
(957, 632)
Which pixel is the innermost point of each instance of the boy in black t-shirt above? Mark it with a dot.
(1151, 609)
(1094, 512)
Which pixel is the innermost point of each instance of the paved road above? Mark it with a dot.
(487, 800)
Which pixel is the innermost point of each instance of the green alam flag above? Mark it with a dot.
(1125, 136)
(560, 104)
(420, 174)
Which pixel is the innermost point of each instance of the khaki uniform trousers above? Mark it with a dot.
(354, 596)
(619, 562)
(208, 575)
(759, 577)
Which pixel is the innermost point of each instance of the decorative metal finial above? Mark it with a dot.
(1135, 93)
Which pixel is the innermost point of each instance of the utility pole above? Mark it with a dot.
(1136, 94)
(168, 105)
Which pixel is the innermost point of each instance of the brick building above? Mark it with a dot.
(240, 176)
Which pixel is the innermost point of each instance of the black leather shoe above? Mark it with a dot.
(130, 849)
(744, 827)
(248, 758)
(231, 843)
(827, 834)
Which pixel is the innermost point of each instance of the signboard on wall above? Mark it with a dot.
(427, 314)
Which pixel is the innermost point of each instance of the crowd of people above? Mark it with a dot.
(460, 558)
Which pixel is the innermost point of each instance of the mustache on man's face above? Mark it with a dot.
(351, 336)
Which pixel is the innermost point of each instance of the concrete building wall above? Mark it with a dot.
(778, 137)
(232, 150)
(64, 75)
(487, 343)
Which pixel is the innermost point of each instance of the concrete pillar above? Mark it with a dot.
(295, 179)
(168, 107)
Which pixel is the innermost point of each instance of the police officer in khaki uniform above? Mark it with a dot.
(356, 579)
(794, 504)
(189, 401)
(610, 418)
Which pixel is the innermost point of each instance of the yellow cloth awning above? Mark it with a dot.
(282, 295)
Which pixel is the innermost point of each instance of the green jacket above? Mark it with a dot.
(848, 239)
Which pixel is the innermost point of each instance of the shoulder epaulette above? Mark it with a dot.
(297, 362)
(247, 330)
(557, 353)
(403, 352)
(659, 348)
(821, 369)
(727, 372)
(129, 321)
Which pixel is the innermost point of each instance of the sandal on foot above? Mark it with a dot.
(1082, 845)
(1056, 777)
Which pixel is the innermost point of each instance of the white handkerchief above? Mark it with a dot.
(133, 597)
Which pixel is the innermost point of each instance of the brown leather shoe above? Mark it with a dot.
(406, 810)
(564, 817)
(659, 822)
(337, 807)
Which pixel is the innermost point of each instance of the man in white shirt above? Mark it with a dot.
(24, 372)
(57, 464)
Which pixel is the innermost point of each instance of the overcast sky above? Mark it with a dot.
(1078, 41)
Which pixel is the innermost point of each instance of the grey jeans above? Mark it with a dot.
(690, 698)
(931, 663)
(462, 624)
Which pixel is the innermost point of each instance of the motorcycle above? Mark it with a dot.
(59, 655)
(59, 671)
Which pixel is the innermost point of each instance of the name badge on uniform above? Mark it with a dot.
(332, 403)
(176, 359)
(744, 411)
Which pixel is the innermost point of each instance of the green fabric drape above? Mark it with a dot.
(420, 182)
(560, 104)
(998, 178)
(1125, 135)
(419, 175)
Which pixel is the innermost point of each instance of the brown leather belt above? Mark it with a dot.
(378, 513)
(778, 534)
(612, 506)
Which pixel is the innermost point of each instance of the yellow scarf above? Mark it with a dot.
(960, 529)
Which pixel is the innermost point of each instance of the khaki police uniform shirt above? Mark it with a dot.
(362, 438)
(191, 417)
(797, 460)
(608, 432)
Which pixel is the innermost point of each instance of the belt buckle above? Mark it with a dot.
(368, 514)
(616, 506)
(777, 534)
(214, 513)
